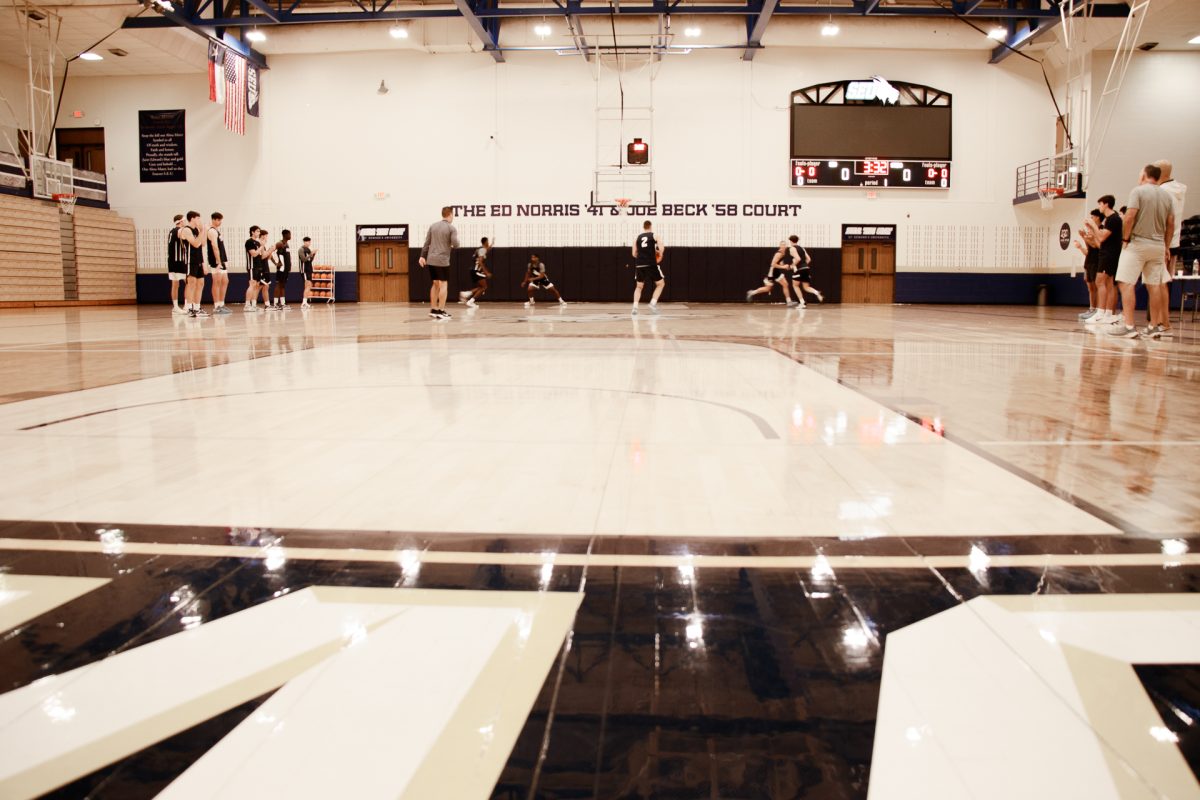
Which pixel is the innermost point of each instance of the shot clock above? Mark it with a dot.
(876, 173)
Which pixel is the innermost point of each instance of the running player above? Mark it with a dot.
(251, 287)
(802, 272)
(779, 272)
(536, 278)
(283, 268)
(440, 241)
(191, 234)
(479, 275)
(307, 256)
(647, 252)
(218, 263)
(177, 266)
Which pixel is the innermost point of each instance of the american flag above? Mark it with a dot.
(235, 93)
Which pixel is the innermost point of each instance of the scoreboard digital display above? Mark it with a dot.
(871, 173)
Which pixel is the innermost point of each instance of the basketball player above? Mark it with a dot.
(251, 287)
(802, 273)
(479, 275)
(191, 234)
(1108, 234)
(536, 278)
(440, 241)
(307, 256)
(1149, 227)
(260, 277)
(177, 266)
(779, 272)
(1089, 245)
(647, 253)
(218, 264)
(283, 268)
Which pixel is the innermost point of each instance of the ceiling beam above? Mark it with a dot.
(205, 30)
(868, 6)
(266, 8)
(487, 30)
(756, 26)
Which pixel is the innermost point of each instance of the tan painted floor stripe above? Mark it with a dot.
(604, 560)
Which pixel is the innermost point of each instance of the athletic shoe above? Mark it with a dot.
(654, 308)
(750, 296)
(222, 310)
(1091, 312)
(270, 308)
(634, 311)
(178, 310)
(820, 297)
(444, 313)
(471, 303)
(1125, 332)
(562, 302)
(529, 304)
(1159, 332)
(462, 297)
(433, 312)
(200, 312)
(802, 305)
(792, 304)
(285, 307)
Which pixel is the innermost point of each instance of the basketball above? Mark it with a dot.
(658, 258)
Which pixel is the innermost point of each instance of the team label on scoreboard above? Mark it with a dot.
(871, 173)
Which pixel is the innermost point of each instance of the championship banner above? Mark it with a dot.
(252, 92)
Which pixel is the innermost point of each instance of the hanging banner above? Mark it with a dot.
(394, 232)
(252, 85)
(162, 153)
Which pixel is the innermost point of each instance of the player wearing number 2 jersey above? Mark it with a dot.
(647, 252)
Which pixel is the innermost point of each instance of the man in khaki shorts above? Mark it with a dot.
(1149, 226)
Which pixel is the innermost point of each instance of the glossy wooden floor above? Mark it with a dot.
(1113, 426)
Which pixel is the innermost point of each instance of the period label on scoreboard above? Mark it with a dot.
(876, 173)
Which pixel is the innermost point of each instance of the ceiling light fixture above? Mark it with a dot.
(998, 34)
(691, 32)
(89, 56)
(398, 32)
(118, 52)
(542, 29)
(830, 28)
(1194, 40)
(256, 36)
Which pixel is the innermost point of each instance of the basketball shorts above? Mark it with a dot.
(477, 277)
(195, 270)
(769, 279)
(307, 272)
(261, 274)
(1108, 264)
(1091, 264)
(542, 283)
(648, 274)
(803, 275)
(1143, 257)
(439, 273)
(281, 274)
(177, 272)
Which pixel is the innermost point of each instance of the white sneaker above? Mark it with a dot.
(529, 304)
(462, 297)
(562, 302)
(471, 302)
(178, 310)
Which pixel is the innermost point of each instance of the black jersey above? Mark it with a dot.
(195, 254)
(1110, 248)
(537, 271)
(219, 251)
(647, 249)
(785, 260)
(251, 246)
(285, 256)
(176, 249)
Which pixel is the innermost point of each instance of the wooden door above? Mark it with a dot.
(370, 271)
(868, 272)
(395, 273)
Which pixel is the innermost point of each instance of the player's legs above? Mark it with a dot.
(637, 295)
(1093, 293)
(480, 290)
(433, 295)
(808, 287)
(443, 290)
(783, 284)
(281, 289)
(764, 289)
(659, 285)
(307, 291)
(220, 286)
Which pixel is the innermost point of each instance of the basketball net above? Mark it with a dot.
(66, 203)
(1047, 194)
(623, 202)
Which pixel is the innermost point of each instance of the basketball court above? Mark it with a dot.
(930, 536)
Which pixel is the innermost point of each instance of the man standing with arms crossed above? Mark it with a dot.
(1148, 226)
(647, 253)
(218, 262)
(440, 241)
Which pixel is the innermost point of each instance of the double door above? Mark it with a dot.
(868, 272)
(382, 272)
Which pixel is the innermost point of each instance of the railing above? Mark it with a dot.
(90, 187)
(1063, 171)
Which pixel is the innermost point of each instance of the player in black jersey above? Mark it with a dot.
(251, 248)
(479, 275)
(177, 265)
(283, 268)
(192, 235)
(308, 254)
(260, 274)
(647, 252)
(780, 272)
(218, 262)
(535, 279)
(802, 273)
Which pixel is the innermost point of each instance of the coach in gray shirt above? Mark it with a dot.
(440, 241)
(1149, 226)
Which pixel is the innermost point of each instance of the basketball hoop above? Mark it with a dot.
(623, 202)
(1047, 195)
(66, 203)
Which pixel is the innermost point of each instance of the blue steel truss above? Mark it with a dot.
(1025, 20)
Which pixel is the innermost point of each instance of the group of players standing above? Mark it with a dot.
(190, 241)
(791, 263)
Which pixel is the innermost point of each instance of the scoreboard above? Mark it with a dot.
(870, 172)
